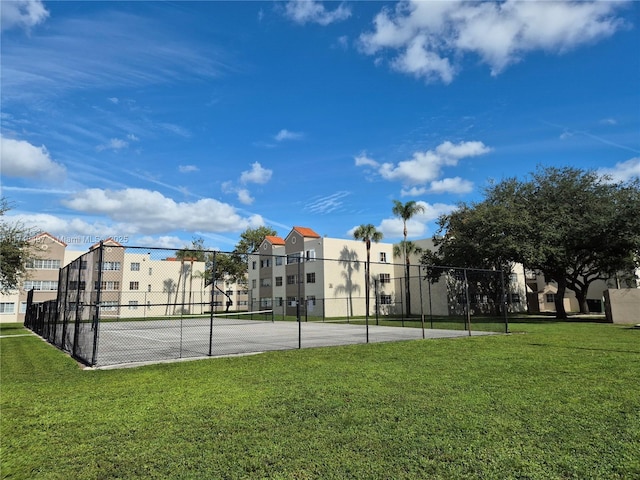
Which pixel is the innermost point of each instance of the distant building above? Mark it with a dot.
(132, 284)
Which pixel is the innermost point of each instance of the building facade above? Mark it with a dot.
(133, 283)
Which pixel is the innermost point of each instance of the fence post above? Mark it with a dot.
(96, 315)
(466, 294)
(430, 302)
(504, 303)
(213, 288)
(298, 305)
(421, 299)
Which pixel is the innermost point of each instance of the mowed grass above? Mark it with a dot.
(553, 400)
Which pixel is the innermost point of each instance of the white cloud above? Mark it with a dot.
(311, 11)
(419, 61)
(326, 204)
(187, 168)
(287, 135)
(150, 212)
(21, 159)
(22, 14)
(244, 196)
(608, 121)
(427, 166)
(163, 241)
(423, 37)
(114, 144)
(257, 174)
(393, 228)
(451, 185)
(114, 100)
(446, 185)
(363, 160)
(623, 171)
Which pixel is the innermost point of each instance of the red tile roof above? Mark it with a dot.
(306, 232)
(274, 240)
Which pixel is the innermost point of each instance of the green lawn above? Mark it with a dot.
(552, 400)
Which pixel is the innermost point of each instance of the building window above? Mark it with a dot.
(109, 306)
(7, 307)
(134, 285)
(265, 282)
(279, 260)
(253, 283)
(43, 264)
(311, 301)
(278, 281)
(383, 257)
(110, 266)
(291, 279)
(385, 299)
(107, 285)
(135, 266)
(291, 301)
(310, 255)
(133, 304)
(42, 285)
(265, 302)
(150, 271)
(293, 258)
(515, 298)
(385, 278)
(311, 277)
(253, 265)
(148, 288)
(278, 301)
(265, 263)
(550, 297)
(23, 307)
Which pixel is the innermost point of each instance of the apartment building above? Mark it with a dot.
(134, 283)
(320, 276)
(541, 294)
(41, 275)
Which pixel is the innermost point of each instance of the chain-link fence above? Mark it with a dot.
(134, 304)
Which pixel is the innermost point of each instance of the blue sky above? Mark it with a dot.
(157, 121)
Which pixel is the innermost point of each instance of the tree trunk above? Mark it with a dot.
(560, 311)
(581, 296)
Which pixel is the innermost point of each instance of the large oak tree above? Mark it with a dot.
(573, 225)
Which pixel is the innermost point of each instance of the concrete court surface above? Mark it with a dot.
(121, 343)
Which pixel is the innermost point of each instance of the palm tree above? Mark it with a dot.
(367, 233)
(406, 248)
(406, 211)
